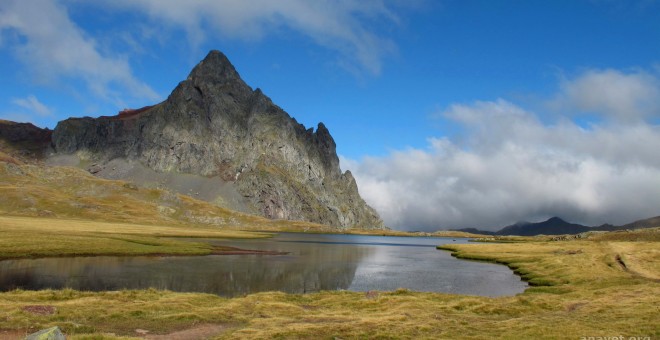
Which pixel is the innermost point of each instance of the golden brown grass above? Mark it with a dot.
(70, 193)
(9, 159)
(42, 237)
(584, 288)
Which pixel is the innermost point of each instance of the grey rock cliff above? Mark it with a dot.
(215, 125)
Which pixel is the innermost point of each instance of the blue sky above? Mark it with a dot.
(405, 87)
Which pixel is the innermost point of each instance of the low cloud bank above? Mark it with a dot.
(509, 165)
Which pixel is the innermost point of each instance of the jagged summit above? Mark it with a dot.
(216, 69)
(214, 125)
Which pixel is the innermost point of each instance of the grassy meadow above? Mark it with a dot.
(22, 237)
(607, 285)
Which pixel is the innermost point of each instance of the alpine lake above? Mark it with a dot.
(311, 263)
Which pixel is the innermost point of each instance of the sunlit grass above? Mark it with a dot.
(71, 193)
(41, 237)
(586, 288)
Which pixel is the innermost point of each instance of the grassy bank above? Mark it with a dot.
(69, 193)
(606, 286)
(43, 237)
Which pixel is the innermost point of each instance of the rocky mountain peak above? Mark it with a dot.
(216, 69)
(324, 136)
(214, 125)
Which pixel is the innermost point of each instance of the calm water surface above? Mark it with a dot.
(314, 262)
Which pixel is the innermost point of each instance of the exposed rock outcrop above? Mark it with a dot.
(215, 125)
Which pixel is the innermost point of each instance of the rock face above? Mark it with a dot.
(215, 125)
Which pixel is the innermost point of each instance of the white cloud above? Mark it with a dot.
(33, 105)
(624, 97)
(342, 25)
(509, 166)
(52, 46)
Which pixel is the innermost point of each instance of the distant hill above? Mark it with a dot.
(557, 226)
(23, 141)
(553, 226)
(647, 223)
(475, 231)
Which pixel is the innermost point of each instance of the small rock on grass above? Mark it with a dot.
(53, 333)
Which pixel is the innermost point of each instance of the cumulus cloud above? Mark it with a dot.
(342, 26)
(52, 46)
(33, 105)
(510, 166)
(623, 97)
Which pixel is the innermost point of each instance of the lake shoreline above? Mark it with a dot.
(222, 251)
(562, 293)
(314, 262)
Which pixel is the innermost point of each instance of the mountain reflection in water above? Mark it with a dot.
(314, 263)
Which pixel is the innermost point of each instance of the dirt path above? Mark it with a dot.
(13, 334)
(196, 333)
(640, 263)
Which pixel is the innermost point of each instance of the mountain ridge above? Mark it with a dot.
(558, 226)
(214, 126)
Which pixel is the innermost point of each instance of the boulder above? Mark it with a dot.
(53, 333)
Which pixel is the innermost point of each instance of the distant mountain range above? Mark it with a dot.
(557, 226)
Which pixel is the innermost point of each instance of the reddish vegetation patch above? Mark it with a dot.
(129, 113)
(238, 251)
(13, 334)
(40, 310)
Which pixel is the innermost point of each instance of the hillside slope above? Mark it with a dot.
(67, 192)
